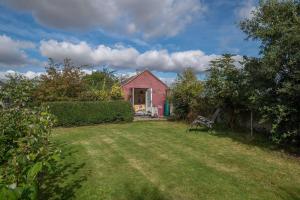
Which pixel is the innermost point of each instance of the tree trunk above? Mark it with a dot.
(232, 119)
(251, 123)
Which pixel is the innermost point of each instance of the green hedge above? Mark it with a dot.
(71, 113)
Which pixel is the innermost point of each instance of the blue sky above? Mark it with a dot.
(165, 36)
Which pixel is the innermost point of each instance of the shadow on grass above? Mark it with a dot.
(64, 181)
(199, 130)
(290, 193)
(261, 140)
(144, 192)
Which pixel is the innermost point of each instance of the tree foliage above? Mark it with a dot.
(102, 85)
(225, 86)
(116, 92)
(184, 93)
(24, 141)
(100, 80)
(277, 74)
(67, 81)
(268, 85)
(61, 82)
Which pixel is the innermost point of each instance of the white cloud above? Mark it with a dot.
(82, 53)
(150, 18)
(120, 57)
(168, 81)
(12, 52)
(32, 75)
(28, 74)
(246, 10)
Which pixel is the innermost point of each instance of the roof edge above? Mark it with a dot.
(146, 70)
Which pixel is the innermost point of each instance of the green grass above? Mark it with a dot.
(159, 160)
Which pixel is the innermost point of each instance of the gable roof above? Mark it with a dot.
(137, 75)
(124, 82)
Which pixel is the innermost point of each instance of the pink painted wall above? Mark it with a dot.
(147, 80)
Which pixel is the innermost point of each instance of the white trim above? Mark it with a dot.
(148, 100)
(132, 97)
(151, 97)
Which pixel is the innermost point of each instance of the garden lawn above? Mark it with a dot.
(159, 160)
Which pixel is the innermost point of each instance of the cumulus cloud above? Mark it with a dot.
(28, 74)
(149, 18)
(120, 57)
(168, 81)
(12, 52)
(32, 75)
(246, 10)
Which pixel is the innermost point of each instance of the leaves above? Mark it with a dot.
(116, 92)
(34, 171)
(184, 93)
(6, 193)
(24, 140)
(276, 74)
(61, 82)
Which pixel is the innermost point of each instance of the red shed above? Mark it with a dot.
(146, 92)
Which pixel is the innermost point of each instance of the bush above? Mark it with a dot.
(25, 151)
(60, 82)
(90, 112)
(185, 91)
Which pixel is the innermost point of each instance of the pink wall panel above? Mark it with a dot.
(147, 80)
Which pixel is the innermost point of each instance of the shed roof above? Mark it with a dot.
(128, 80)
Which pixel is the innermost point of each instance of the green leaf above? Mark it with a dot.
(8, 194)
(32, 191)
(56, 157)
(34, 171)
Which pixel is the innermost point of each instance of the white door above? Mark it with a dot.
(149, 100)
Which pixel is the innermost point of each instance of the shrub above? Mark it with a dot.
(102, 95)
(60, 82)
(90, 112)
(185, 90)
(25, 152)
(116, 92)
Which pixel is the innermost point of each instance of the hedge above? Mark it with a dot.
(72, 113)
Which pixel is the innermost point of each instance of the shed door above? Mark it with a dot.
(149, 100)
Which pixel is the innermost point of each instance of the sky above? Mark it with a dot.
(165, 36)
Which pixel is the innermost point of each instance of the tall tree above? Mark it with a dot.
(276, 24)
(99, 80)
(61, 82)
(224, 86)
(184, 92)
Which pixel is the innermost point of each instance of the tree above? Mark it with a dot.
(116, 92)
(184, 92)
(277, 25)
(224, 86)
(102, 85)
(99, 80)
(61, 82)
(68, 82)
